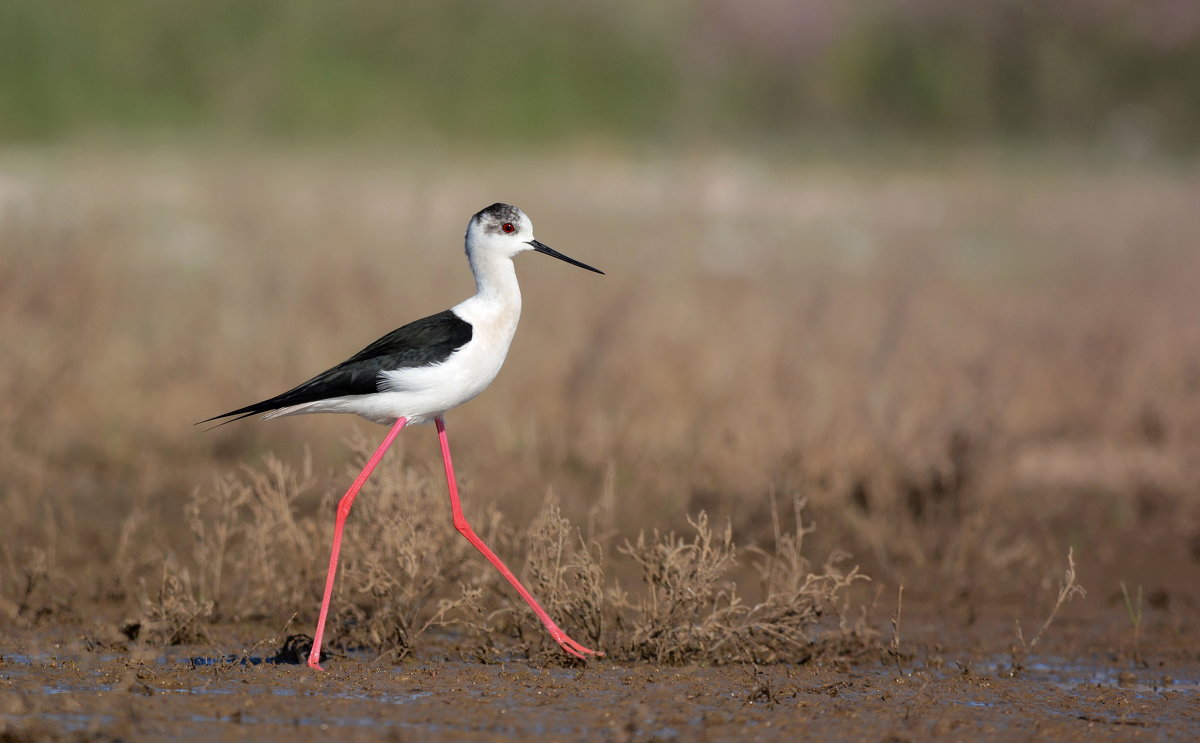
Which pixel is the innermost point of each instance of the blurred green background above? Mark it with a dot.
(1096, 73)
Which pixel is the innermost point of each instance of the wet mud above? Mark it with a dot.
(939, 686)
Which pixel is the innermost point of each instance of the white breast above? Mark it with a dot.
(424, 392)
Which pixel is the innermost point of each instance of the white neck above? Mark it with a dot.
(495, 280)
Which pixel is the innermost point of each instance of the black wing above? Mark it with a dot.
(424, 342)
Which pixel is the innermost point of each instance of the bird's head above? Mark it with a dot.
(504, 230)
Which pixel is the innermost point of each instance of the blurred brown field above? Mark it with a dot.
(963, 368)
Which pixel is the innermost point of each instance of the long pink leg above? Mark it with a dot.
(343, 510)
(460, 523)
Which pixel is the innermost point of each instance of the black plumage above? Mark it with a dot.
(430, 340)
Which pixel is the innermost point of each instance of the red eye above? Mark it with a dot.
(508, 227)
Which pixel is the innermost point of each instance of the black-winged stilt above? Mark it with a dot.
(422, 370)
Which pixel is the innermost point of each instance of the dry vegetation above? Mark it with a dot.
(946, 376)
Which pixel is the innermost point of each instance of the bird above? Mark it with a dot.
(419, 372)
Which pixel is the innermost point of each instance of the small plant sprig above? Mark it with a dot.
(1134, 609)
(1067, 590)
(894, 645)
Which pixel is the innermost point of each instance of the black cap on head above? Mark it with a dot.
(495, 215)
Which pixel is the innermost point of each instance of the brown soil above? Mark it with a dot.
(947, 683)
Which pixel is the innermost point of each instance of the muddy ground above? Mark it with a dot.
(951, 681)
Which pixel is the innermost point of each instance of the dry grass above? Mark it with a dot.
(406, 570)
(691, 612)
(260, 553)
(961, 371)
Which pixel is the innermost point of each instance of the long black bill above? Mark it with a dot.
(544, 248)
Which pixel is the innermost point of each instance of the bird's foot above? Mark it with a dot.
(574, 648)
